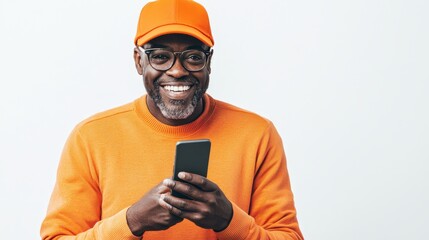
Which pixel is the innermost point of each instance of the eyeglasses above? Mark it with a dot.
(162, 59)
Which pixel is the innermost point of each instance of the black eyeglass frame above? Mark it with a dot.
(150, 50)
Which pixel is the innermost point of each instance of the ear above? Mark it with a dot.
(209, 62)
(138, 61)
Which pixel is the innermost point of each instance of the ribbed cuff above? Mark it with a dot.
(238, 227)
(116, 227)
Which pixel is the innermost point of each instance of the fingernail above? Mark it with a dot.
(162, 196)
(168, 182)
(182, 175)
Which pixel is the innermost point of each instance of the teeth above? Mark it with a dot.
(177, 88)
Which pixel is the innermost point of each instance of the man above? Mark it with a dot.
(114, 180)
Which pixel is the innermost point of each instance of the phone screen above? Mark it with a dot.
(191, 156)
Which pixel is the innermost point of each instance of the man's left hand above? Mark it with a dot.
(209, 208)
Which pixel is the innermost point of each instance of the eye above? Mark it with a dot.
(194, 57)
(159, 56)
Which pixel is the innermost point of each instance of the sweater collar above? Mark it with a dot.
(180, 131)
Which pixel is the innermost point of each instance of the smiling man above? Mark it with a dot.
(114, 177)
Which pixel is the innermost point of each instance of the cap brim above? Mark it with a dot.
(173, 29)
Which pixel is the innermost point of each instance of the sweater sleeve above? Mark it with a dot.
(272, 213)
(74, 210)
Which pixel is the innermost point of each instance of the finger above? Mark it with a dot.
(186, 189)
(164, 204)
(169, 183)
(175, 211)
(162, 189)
(180, 203)
(199, 181)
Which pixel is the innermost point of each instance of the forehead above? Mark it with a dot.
(175, 41)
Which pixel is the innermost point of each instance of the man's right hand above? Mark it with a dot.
(148, 215)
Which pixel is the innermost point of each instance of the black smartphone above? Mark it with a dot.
(191, 156)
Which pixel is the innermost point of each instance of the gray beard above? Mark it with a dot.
(178, 109)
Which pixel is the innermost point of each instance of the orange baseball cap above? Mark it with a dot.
(163, 17)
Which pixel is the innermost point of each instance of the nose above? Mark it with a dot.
(177, 70)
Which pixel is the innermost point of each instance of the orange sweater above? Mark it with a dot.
(113, 158)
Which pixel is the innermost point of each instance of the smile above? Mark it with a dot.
(182, 88)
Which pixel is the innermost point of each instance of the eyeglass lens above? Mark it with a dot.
(191, 60)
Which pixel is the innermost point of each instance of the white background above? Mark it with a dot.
(345, 82)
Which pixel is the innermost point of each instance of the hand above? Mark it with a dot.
(209, 208)
(147, 214)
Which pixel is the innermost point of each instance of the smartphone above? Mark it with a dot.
(191, 156)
